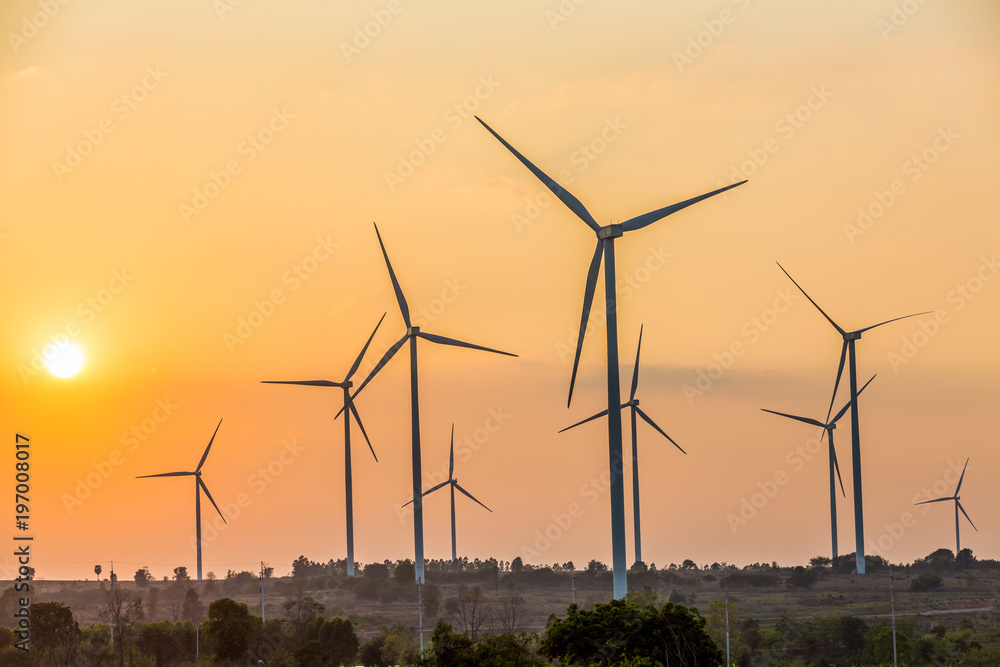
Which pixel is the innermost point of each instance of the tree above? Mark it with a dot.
(160, 642)
(470, 609)
(618, 631)
(928, 581)
(595, 566)
(432, 600)
(181, 574)
(122, 611)
(143, 577)
(802, 578)
(231, 627)
(517, 565)
(53, 630)
(193, 610)
(337, 638)
(175, 593)
(97, 571)
(510, 611)
(404, 573)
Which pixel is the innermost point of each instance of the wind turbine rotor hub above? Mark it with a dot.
(610, 232)
(852, 335)
(347, 384)
(412, 331)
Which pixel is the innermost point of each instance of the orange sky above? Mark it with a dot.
(167, 167)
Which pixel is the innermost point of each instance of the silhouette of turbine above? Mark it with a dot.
(345, 385)
(829, 427)
(633, 403)
(606, 250)
(454, 485)
(412, 334)
(848, 351)
(199, 486)
(958, 506)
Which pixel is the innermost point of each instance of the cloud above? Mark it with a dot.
(28, 71)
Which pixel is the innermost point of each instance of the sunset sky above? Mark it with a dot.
(189, 189)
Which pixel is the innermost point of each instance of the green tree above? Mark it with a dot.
(802, 578)
(53, 630)
(181, 574)
(193, 610)
(882, 646)
(160, 642)
(432, 601)
(143, 577)
(404, 573)
(231, 627)
(619, 631)
(928, 581)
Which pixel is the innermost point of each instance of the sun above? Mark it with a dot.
(66, 361)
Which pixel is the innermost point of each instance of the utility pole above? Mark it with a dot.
(263, 620)
(892, 603)
(726, 581)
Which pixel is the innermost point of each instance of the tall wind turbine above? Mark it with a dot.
(958, 506)
(829, 426)
(199, 486)
(848, 351)
(345, 385)
(454, 485)
(633, 403)
(606, 249)
(411, 335)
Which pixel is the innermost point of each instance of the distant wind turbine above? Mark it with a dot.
(958, 506)
(606, 250)
(829, 426)
(411, 335)
(848, 351)
(454, 485)
(199, 486)
(633, 403)
(346, 385)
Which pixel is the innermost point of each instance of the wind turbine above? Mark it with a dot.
(346, 385)
(199, 486)
(848, 350)
(454, 485)
(958, 506)
(633, 403)
(829, 427)
(411, 335)
(606, 249)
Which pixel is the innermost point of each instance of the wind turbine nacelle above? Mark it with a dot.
(610, 232)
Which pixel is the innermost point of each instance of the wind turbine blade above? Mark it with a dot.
(357, 418)
(403, 309)
(205, 489)
(844, 409)
(451, 456)
(805, 420)
(653, 424)
(635, 371)
(599, 414)
(860, 331)
(957, 488)
(559, 191)
(936, 500)
(588, 300)
(441, 340)
(382, 362)
(431, 490)
(836, 464)
(308, 383)
(166, 474)
(966, 515)
(205, 455)
(357, 362)
(835, 325)
(470, 496)
(641, 221)
(836, 383)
